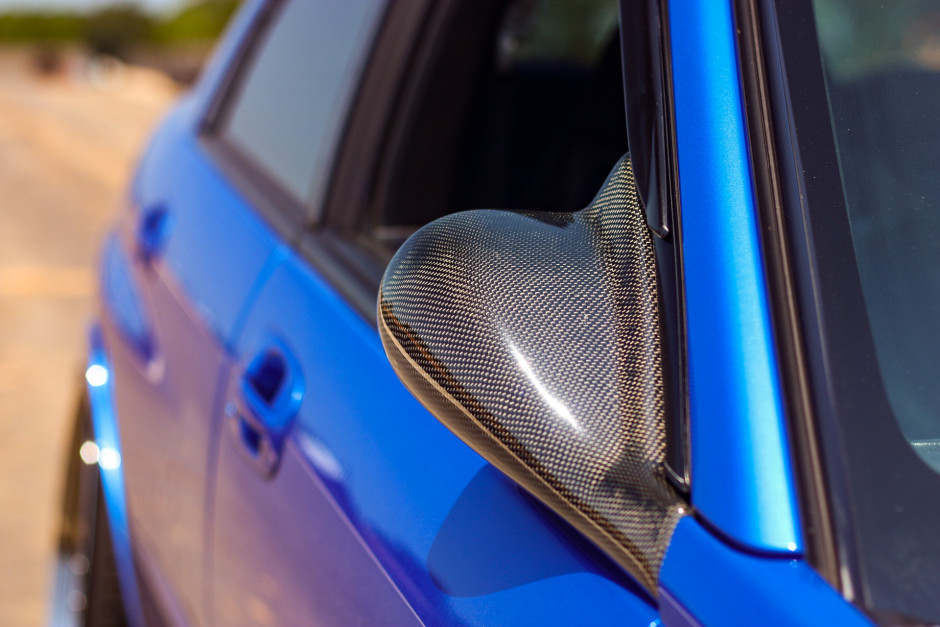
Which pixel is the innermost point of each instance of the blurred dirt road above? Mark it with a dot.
(66, 150)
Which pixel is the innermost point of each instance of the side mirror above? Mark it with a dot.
(535, 337)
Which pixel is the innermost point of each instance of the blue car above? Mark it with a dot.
(524, 312)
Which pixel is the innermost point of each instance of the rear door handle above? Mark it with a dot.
(270, 392)
(153, 228)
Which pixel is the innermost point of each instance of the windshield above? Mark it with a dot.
(863, 105)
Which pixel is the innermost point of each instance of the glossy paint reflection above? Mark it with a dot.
(96, 375)
(477, 552)
(741, 468)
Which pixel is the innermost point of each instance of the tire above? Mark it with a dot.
(87, 587)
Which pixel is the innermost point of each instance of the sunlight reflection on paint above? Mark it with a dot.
(321, 457)
(96, 375)
(109, 458)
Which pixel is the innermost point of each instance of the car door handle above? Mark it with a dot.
(153, 228)
(270, 392)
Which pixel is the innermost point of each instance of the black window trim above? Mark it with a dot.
(650, 111)
(374, 113)
(425, 48)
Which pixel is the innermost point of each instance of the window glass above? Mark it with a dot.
(567, 31)
(289, 108)
(863, 83)
(882, 64)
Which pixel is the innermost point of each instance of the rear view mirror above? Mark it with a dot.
(535, 337)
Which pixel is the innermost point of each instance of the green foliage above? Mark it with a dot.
(40, 27)
(201, 21)
(116, 29)
(120, 27)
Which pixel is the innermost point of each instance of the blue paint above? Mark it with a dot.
(218, 246)
(492, 540)
(742, 480)
(210, 253)
(123, 300)
(743, 589)
(274, 260)
(108, 439)
(272, 389)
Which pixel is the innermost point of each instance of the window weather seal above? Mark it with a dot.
(647, 79)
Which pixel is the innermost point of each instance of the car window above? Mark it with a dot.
(288, 106)
(883, 77)
(863, 80)
(518, 106)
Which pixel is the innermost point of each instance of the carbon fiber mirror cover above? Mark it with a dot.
(535, 337)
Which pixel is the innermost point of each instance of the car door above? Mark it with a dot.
(176, 274)
(275, 132)
(338, 498)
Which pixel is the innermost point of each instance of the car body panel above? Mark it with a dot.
(216, 247)
(160, 409)
(192, 280)
(741, 474)
(284, 557)
(742, 588)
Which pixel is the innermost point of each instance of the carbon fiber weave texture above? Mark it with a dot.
(535, 338)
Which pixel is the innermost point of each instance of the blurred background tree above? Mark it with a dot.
(116, 30)
(199, 21)
(176, 43)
